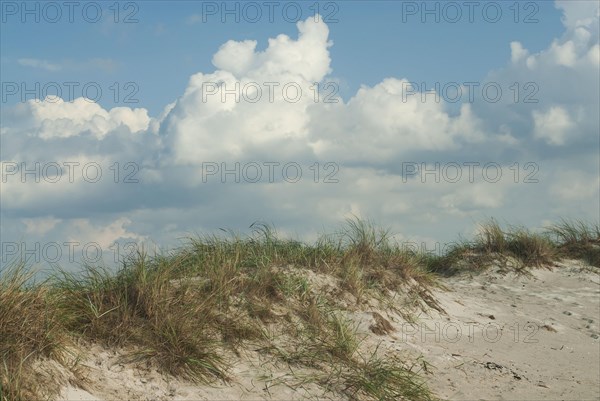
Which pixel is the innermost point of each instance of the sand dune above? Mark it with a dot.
(500, 336)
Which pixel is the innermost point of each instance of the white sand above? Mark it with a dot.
(504, 337)
(514, 338)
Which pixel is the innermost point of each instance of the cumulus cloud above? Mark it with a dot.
(105, 235)
(83, 115)
(236, 57)
(554, 126)
(579, 13)
(578, 43)
(395, 122)
(517, 52)
(558, 97)
(209, 123)
(54, 118)
(253, 99)
(306, 58)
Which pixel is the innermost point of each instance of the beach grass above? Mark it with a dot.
(187, 312)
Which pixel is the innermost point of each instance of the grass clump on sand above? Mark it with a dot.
(186, 313)
(140, 307)
(526, 248)
(577, 240)
(517, 248)
(385, 379)
(30, 328)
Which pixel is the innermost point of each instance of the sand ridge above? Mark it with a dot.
(500, 336)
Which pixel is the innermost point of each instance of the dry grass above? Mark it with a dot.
(384, 379)
(516, 244)
(517, 248)
(30, 328)
(578, 240)
(183, 311)
(140, 307)
(180, 311)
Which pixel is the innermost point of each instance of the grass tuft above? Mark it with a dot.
(385, 380)
(30, 328)
(578, 240)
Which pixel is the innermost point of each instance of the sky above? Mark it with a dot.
(146, 122)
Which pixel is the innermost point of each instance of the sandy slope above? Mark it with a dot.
(507, 337)
(503, 337)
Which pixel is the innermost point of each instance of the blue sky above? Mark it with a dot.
(371, 42)
(157, 155)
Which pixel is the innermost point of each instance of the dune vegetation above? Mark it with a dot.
(190, 312)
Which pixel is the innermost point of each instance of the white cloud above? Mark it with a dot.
(580, 19)
(54, 117)
(36, 63)
(594, 55)
(83, 231)
(575, 50)
(577, 13)
(554, 126)
(564, 54)
(517, 52)
(203, 126)
(76, 181)
(574, 185)
(306, 58)
(40, 225)
(393, 123)
(236, 57)
(558, 97)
